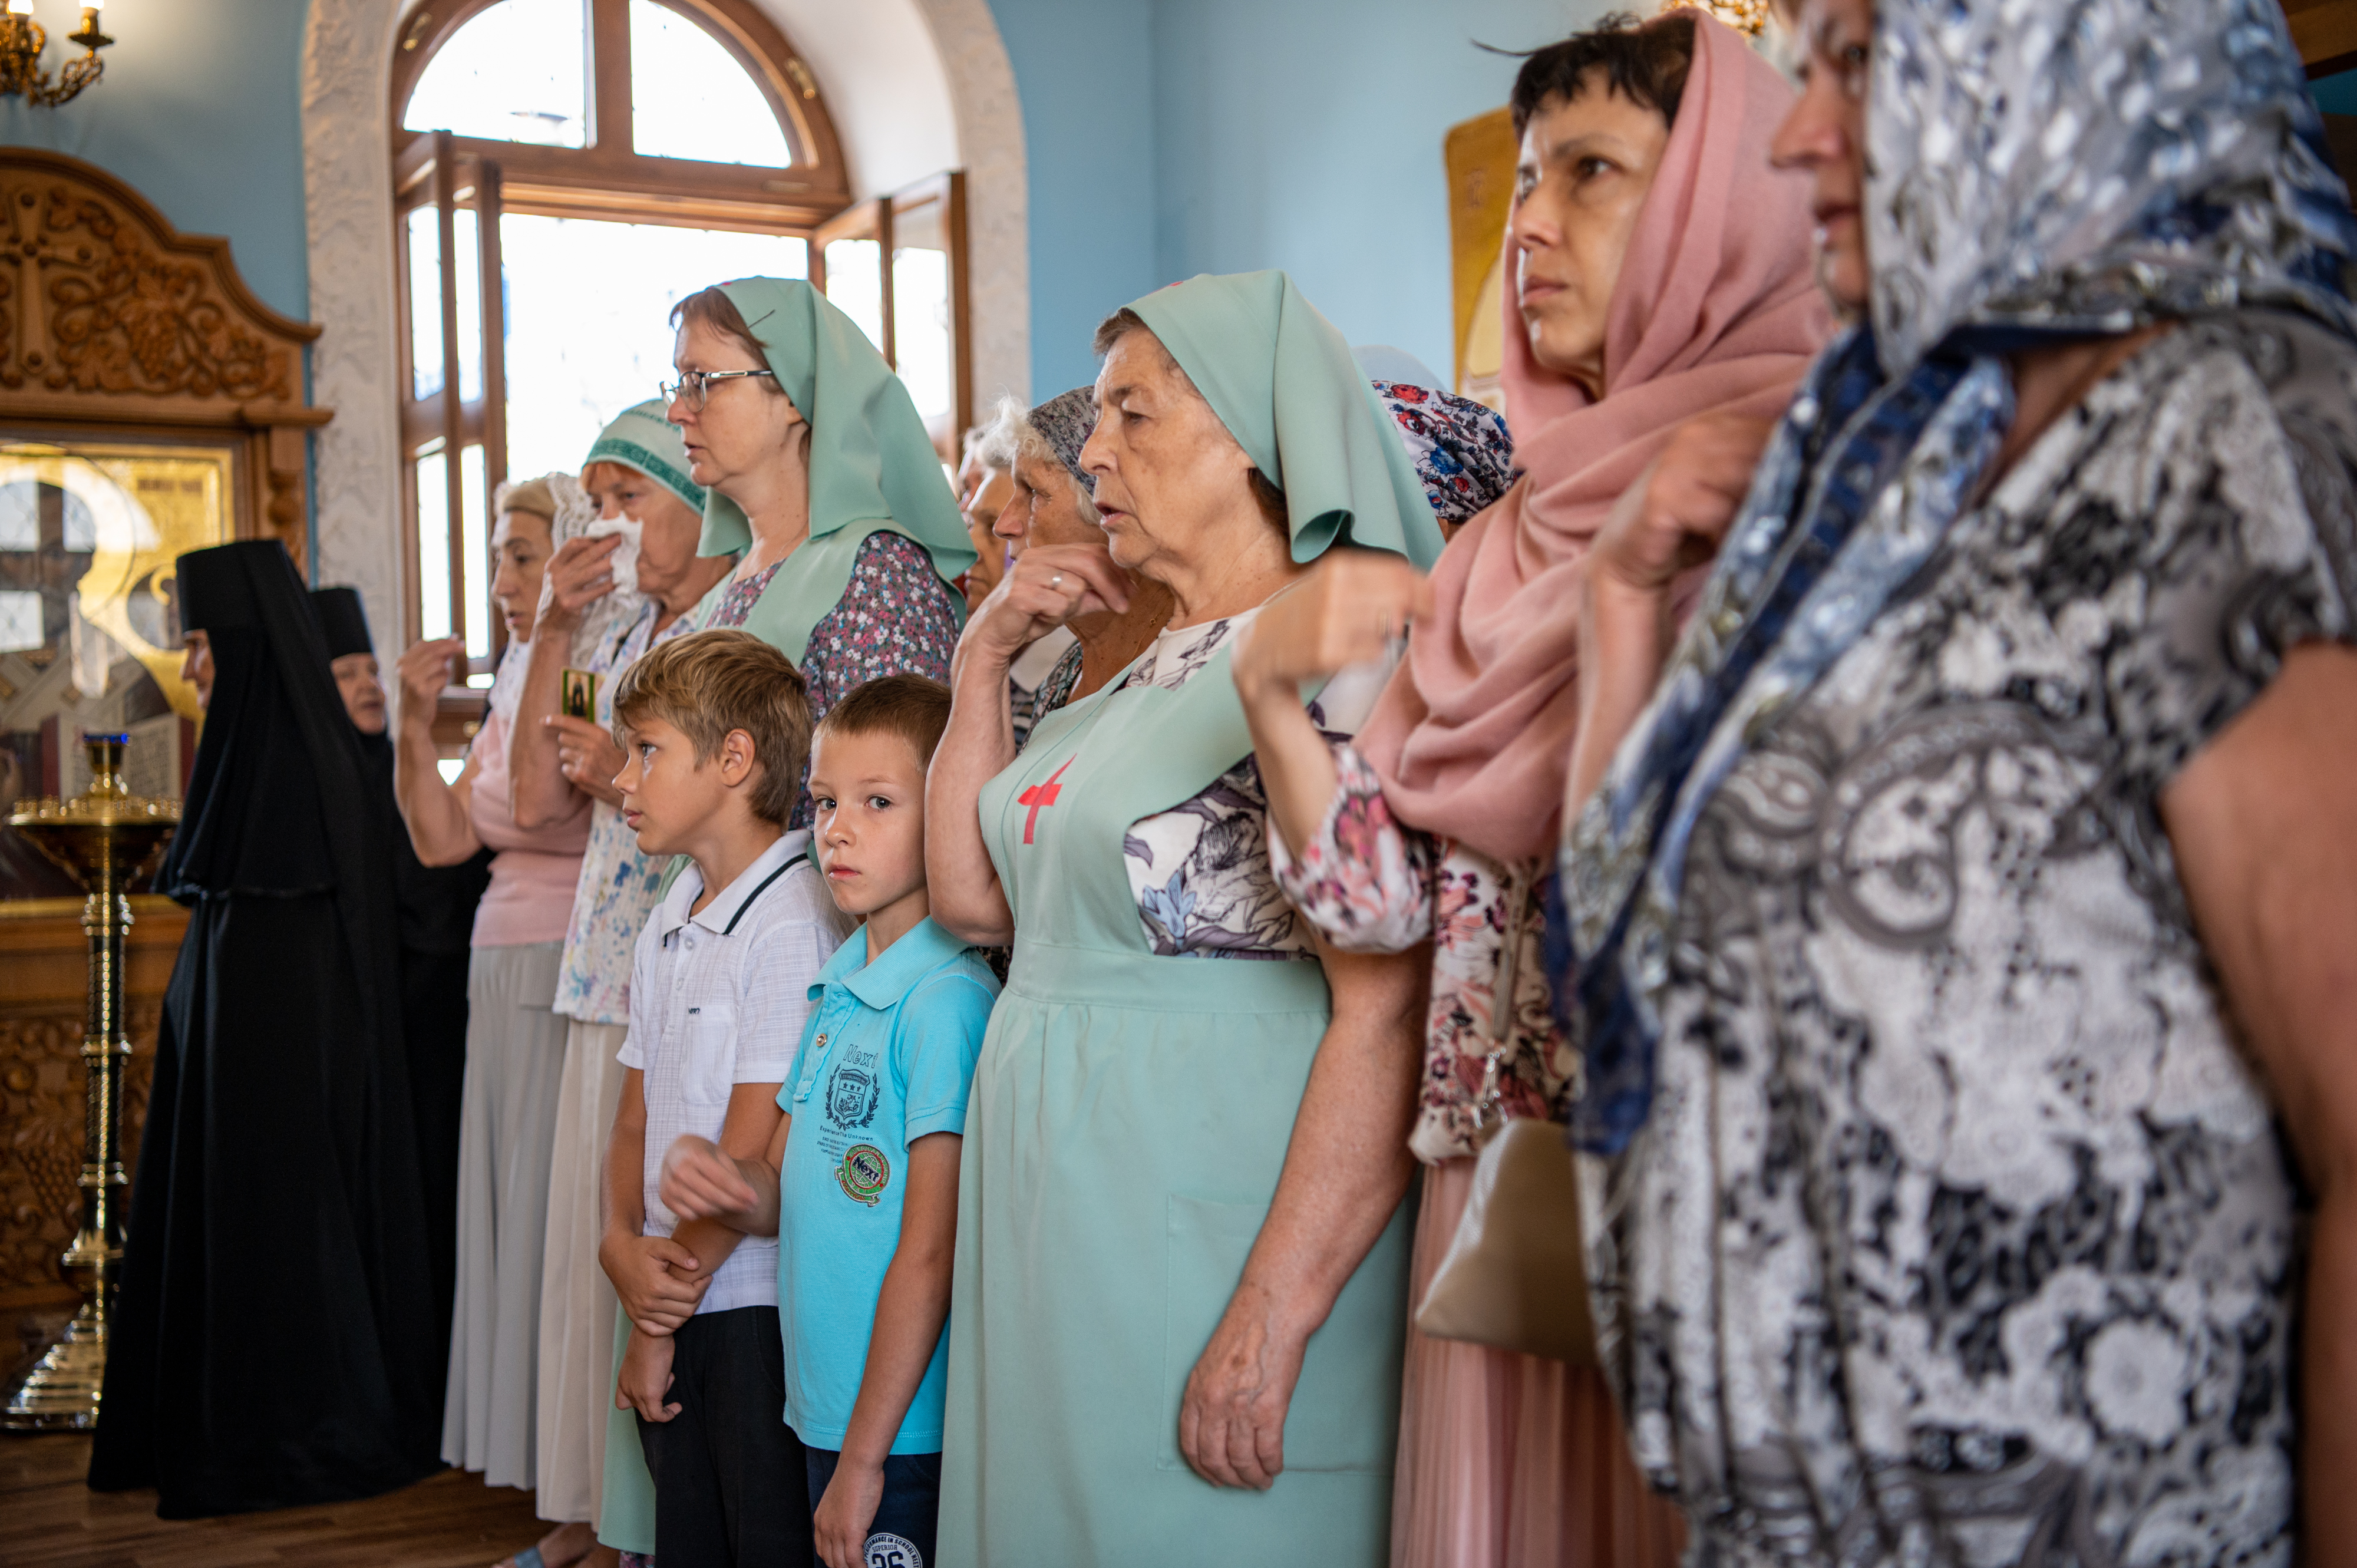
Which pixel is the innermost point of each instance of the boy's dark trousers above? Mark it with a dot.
(729, 1472)
(901, 1534)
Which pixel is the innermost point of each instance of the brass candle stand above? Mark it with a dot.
(102, 835)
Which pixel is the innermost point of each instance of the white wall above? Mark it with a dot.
(882, 78)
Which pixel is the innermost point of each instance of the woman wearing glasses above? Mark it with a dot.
(820, 473)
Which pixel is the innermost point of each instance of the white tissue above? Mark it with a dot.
(625, 559)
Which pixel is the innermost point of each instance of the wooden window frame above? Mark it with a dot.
(877, 219)
(604, 180)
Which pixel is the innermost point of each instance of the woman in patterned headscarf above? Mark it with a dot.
(1660, 270)
(1985, 853)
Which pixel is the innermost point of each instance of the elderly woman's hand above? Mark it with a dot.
(588, 756)
(1046, 588)
(1679, 509)
(423, 672)
(579, 575)
(1346, 611)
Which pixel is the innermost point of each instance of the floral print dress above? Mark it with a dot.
(1201, 871)
(1371, 884)
(896, 617)
(618, 886)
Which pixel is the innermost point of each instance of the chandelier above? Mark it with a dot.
(22, 40)
(1743, 15)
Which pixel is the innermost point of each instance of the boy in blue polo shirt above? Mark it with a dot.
(860, 1181)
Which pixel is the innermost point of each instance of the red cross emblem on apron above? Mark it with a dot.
(1040, 795)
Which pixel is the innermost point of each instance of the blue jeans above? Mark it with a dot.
(901, 1535)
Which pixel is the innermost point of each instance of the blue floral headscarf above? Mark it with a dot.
(2040, 173)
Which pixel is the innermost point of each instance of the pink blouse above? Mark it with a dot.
(533, 873)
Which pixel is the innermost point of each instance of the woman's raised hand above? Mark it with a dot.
(1345, 611)
(1678, 509)
(588, 756)
(1047, 586)
(424, 670)
(579, 575)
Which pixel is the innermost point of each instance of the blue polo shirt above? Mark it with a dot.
(887, 1057)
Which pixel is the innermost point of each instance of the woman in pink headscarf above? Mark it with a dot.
(1661, 270)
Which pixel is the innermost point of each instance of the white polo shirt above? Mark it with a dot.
(719, 998)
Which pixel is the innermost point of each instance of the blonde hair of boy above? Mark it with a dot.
(911, 706)
(709, 682)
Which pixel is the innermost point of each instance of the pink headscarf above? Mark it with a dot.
(1715, 311)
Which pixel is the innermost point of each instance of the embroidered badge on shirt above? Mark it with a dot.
(852, 1095)
(863, 1174)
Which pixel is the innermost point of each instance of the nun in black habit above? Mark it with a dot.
(276, 1338)
(434, 905)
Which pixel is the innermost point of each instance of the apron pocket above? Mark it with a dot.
(1345, 1411)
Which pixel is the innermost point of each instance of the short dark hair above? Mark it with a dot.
(1645, 63)
(911, 706)
(1266, 493)
(709, 682)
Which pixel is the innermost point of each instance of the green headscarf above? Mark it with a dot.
(1284, 383)
(640, 438)
(871, 465)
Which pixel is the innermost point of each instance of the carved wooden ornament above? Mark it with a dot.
(110, 317)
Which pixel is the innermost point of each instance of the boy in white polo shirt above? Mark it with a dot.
(861, 1181)
(714, 726)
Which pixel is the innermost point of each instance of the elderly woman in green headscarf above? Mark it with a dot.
(1182, 1261)
(820, 472)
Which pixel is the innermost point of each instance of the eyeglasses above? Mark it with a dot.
(694, 386)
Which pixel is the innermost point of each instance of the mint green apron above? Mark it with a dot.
(1127, 1124)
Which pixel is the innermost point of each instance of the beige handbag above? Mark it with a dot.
(1515, 1275)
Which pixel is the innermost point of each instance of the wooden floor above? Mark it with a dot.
(48, 1518)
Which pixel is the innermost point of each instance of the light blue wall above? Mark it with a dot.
(1306, 134)
(198, 111)
(1169, 137)
(1085, 72)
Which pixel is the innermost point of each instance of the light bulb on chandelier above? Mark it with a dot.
(1744, 15)
(22, 41)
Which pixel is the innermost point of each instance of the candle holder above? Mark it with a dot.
(102, 835)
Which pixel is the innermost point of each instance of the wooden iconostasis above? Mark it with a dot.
(149, 405)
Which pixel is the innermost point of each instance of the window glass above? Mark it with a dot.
(424, 305)
(468, 266)
(516, 74)
(433, 545)
(921, 309)
(690, 99)
(589, 307)
(474, 509)
(854, 281)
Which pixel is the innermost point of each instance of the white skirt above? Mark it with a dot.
(506, 1125)
(576, 1299)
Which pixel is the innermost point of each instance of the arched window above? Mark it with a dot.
(564, 172)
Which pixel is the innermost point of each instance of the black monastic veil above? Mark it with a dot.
(434, 909)
(276, 1342)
